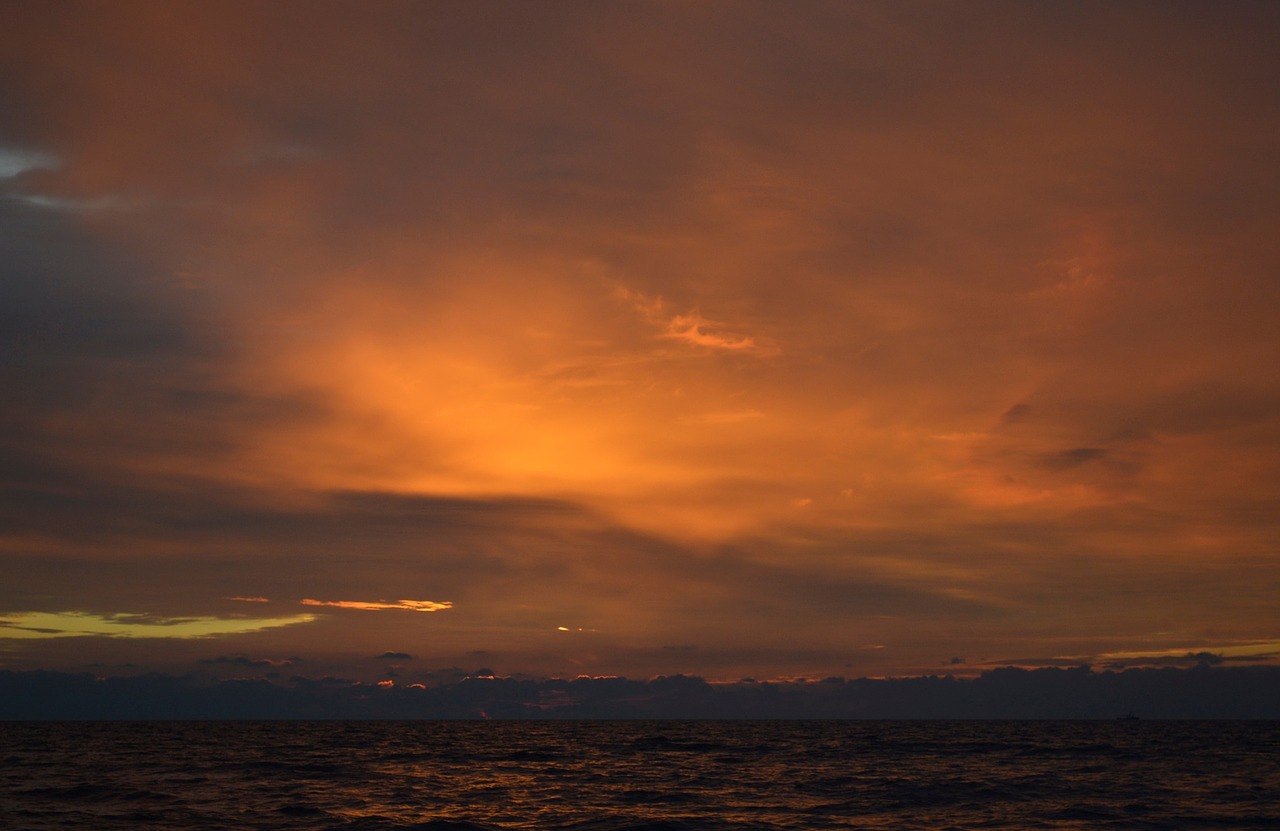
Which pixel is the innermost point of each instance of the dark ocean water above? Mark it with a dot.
(610, 776)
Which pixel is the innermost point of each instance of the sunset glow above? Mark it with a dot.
(730, 338)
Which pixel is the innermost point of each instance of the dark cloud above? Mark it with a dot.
(1001, 693)
(332, 539)
(1016, 413)
(243, 661)
(1190, 659)
(1076, 456)
(79, 318)
(37, 629)
(1209, 406)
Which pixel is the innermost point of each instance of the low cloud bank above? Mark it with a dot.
(1008, 693)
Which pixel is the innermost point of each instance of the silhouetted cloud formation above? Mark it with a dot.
(1007, 693)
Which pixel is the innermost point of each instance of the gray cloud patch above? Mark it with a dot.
(15, 162)
(1017, 413)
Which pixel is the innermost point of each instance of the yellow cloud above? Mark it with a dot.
(1241, 650)
(129, 625)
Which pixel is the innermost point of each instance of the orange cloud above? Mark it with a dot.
(695, 329)
(409, 605)
(690, 328)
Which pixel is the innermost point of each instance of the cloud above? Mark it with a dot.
(126, 625)
(696, 330)
(58, 203)
(1003, 693)
(14, 162)
(690, 328)
(733, 417)
(282, 153)
(365, 333)
(396, 656)
(382, 605)
(1076, 456)
(651, 308)
(1257, 651)
(1017, 413)
(243, 661)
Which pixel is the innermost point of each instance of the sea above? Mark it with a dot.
(633, 775)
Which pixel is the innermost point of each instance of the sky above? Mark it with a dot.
(738, 339)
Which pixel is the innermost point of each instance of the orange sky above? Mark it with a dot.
(740, 339)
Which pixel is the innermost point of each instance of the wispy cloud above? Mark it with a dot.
(15, 162)
(692, 327)
(245, 661)
(59, 203)
(1260, 650)
(383, 605)
(731, 417)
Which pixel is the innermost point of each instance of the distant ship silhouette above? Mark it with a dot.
(1130, 717)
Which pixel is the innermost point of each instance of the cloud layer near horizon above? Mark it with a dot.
(730, 338)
